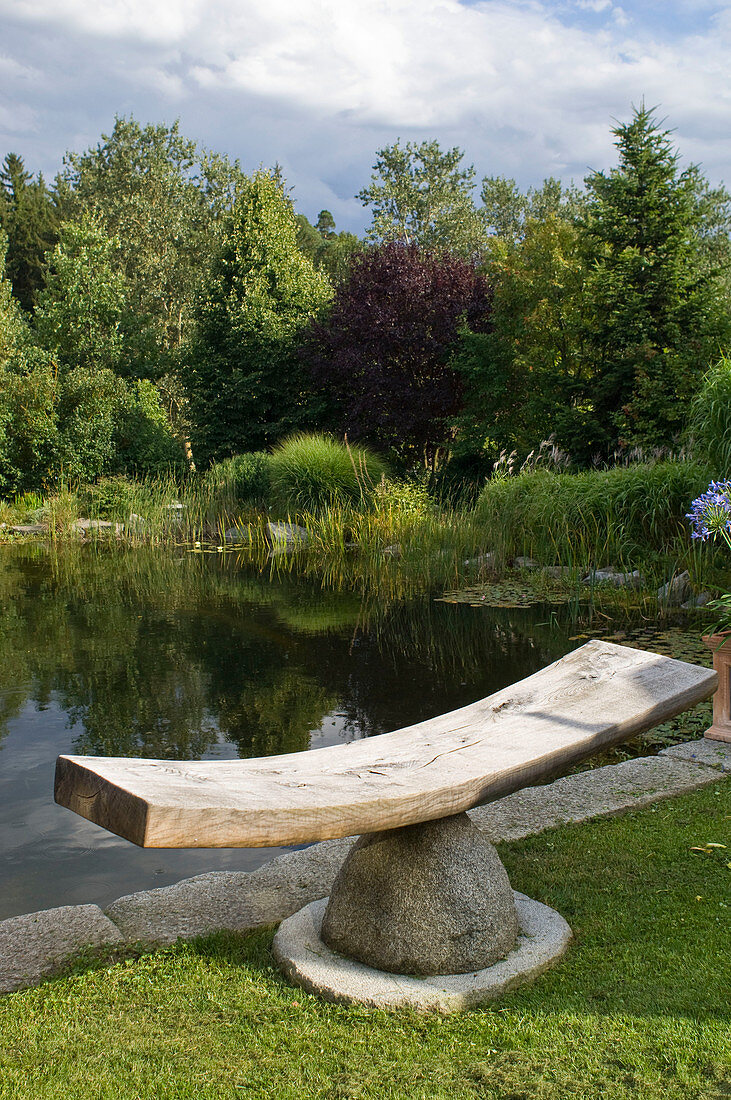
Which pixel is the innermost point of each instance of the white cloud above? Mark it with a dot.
(594, 5)
(154, 20)
(523, 85)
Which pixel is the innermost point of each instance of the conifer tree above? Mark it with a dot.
(246, 386)
(29, 219)
(658, 313)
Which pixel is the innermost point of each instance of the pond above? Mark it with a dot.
(181, 656)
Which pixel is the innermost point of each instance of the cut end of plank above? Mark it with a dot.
(81, 789)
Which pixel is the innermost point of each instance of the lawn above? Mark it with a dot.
(639, 1008)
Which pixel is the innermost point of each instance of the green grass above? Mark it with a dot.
(628, 516)
(639, 1008)
(311, 472)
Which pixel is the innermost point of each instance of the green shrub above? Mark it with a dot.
(88, 412)
(109, 498)
(144, 439)
(710, 420)
(240, 480)
(623, 516)
(312, 472)
(29, 440)
(406, 498)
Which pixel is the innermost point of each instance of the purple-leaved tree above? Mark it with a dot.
(381, 358)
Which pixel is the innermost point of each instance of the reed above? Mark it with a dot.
(627, 516)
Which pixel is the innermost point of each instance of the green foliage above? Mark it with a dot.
(88, 409)
(623, 516)
(246, 385)
(28, 397)
(330, 252)
(507, 211)
(165, 202)
(29, 218)
(710, 420)
(659, 317)
(144, 440)
(409, 498)
(83, 421)
(29, 441)
(528, 377)
(82, 313)
(111, 498)
(420, 194)
(240, 480)
(310, 472)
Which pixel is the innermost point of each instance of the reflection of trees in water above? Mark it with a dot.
(276, 714)
(159, 657)
(426, 657)
(162, 657)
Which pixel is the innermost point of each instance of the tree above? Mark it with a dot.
(528, 377)
(82, 312)
(29, 218)
(506, 210)
(382, 355)
(329, 251)
(422, 195)
(165, 202)
(245, 384)
(659, 312)
(325, 224)
(28, 399)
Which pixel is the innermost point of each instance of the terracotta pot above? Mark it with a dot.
(720, 645)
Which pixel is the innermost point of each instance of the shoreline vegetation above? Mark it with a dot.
(620, 531)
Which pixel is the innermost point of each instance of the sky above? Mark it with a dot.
(527, 88)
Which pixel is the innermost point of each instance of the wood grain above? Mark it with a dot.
(595, 697)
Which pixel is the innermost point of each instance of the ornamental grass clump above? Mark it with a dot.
(709, 431)
(311, 473)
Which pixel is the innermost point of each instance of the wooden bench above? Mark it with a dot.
(596, 697)
(390, 787)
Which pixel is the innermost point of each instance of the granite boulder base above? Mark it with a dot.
(425, 899)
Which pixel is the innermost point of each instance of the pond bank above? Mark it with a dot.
(33, 945)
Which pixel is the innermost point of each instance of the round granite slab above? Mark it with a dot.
(543, 937)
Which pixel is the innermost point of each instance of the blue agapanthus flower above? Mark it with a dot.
(711, 514)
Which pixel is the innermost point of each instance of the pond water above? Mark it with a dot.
(180, 656)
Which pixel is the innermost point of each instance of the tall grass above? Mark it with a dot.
(396, 540)
(312, 472)
(709, 428)
(625, 516)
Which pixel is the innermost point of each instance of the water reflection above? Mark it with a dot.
(138, 653)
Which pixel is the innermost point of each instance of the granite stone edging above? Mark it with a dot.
(33, 945)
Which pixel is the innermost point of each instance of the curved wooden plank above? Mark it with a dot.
(595, 697)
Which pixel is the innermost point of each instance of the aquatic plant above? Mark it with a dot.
(627, 516)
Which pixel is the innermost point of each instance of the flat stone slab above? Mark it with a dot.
(32, 946)
(711, 754)
(542, 939)
(600, 792)
(238, 900)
